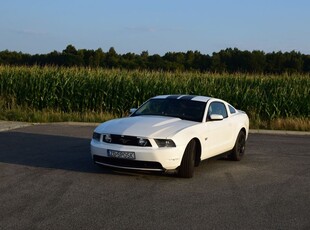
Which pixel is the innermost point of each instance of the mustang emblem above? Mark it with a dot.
(123, 140)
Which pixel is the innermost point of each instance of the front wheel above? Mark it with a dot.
(186, 169)
(239, 148)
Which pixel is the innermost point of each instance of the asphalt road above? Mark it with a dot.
(48, 181)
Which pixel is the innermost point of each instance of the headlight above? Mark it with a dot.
(96, 136)
(165, 143)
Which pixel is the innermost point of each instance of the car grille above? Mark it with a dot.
(127, 140)
(144, 165)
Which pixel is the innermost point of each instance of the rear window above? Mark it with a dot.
(231, 109)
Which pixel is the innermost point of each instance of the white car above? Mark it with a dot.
(171, 133)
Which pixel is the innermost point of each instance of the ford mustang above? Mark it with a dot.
(171, 133)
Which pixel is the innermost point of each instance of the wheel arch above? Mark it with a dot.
(243, 130)
(197, 151)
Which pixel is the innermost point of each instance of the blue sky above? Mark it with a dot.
(158, 26)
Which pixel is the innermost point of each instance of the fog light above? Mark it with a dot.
(142, 142)
(107, 138)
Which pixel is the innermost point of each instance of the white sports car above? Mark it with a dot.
(171, 133)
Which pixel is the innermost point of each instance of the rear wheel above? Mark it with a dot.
(186, 169)
(239, 148)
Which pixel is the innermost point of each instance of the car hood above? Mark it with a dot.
(145, 126)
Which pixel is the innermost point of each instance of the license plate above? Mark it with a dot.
(121, 154)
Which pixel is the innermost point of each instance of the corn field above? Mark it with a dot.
(116, 91)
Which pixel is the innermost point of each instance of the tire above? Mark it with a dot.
(239, 149)
(186, 169)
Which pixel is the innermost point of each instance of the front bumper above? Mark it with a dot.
(146, 158)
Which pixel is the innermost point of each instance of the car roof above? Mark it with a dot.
(183, 97)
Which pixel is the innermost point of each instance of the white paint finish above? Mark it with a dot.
(215, 137)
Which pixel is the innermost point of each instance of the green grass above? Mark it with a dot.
(79, 94)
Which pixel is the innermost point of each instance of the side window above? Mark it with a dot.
(217, 108)
(231, 109)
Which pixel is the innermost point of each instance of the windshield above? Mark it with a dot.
(183, 109)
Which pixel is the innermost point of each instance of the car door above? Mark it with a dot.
(218, 132)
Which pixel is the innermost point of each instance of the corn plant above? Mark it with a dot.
(115, 91)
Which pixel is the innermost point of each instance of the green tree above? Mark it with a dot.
(70, 49)
(112, 58)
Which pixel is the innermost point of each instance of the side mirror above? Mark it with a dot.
(216, 117)
(132, 110)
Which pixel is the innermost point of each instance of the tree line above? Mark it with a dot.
(228, 60)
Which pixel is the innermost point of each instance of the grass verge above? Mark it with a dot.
(29, 115)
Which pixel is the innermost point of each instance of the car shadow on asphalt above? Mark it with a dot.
(48, 151)
(54, 152)
(67, 153)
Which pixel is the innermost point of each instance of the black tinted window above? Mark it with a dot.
(231, 109)
(217, 108)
